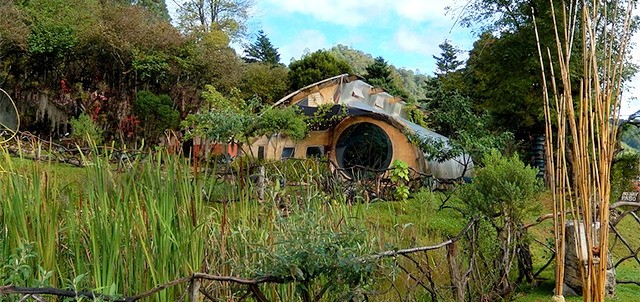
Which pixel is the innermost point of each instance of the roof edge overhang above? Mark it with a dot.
(343, 78)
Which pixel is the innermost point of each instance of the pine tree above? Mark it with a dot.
(448, 60)
(378, 71)
(262, 51)
(379, 75)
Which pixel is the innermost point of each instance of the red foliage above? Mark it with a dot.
(128, 126)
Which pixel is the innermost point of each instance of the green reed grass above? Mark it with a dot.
(125, 232)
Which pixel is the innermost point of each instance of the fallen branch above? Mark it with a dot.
(11, 289)
(628, 282)
(392, 253)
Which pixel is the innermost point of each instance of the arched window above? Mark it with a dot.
(362, 149)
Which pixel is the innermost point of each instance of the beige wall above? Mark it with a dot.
(273, 146)
(402, 149)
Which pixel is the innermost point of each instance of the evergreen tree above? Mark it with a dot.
(379, 74)
(262, 51)
(448, 60)
(379, 71)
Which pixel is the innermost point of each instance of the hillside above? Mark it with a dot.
(631, 137)
(412, 82)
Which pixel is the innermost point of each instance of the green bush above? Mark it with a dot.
(500, 197)
(156, 112)
(625, 169)
(319, 256)
(85, 130)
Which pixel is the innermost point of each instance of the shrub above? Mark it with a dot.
(310, 252)
(85, 130)
(156, 113)
(501, 196)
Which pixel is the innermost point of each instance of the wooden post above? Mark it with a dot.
(457, 286)
(194, 290)
(261, 183)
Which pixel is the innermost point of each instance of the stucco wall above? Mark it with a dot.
(402, 149)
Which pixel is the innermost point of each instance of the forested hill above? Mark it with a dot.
(413, 82)
(631, 137)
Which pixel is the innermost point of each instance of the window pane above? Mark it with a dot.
(288, 152)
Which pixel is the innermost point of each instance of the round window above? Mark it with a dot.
(363, 149)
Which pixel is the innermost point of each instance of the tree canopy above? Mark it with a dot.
(315, 67)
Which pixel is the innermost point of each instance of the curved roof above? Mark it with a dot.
(357, 95)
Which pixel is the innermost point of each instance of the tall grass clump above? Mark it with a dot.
(30, 214)
(124, 233)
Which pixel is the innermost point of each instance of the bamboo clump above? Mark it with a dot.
(580, 151)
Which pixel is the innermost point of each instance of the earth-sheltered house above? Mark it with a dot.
(364, 129)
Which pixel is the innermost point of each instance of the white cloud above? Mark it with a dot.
(410, 41)
(357, 12)
(420, 42)
(306, 40)
(343, 12)
(422, 10)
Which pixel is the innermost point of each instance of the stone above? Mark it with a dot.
(574, 263)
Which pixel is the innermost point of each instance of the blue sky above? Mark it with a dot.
(404, 32)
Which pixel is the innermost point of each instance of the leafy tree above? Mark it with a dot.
(157, 7)
(452, 115)
(503, 79)
(357, 59)
(288, 121)
(267, 82)
(262, 51)
(156, 113)
(150, 65)
(13, 28)
(315, 67)
(625, 169)
(228, 16)
(500, 197)
(503, 70)
(231, 119)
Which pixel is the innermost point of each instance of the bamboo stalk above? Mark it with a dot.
(586, 130)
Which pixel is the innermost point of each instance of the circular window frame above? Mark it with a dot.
(360, 130)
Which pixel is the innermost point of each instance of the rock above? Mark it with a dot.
(557, 298)
(573, 263)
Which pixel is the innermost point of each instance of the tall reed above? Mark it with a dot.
(125, 232)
